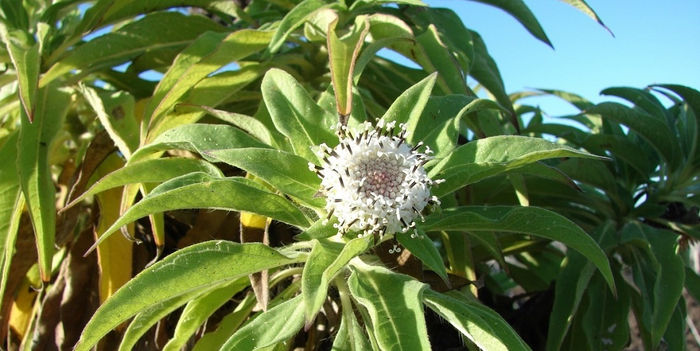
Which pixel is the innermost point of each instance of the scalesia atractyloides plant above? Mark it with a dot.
(367, 185)
(293, 188)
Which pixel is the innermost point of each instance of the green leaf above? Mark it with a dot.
(576, 100)
(653, 130)
(213, 91)
(153, 32)
(15, 14)
(571, 284)
(582, 6)
(198, 310)
(519, 10)
(296, 115)
(268, 328)
(350, 336)
(33, 151)
(314, 287)
(487, 157)
(327, 259)
(149, 316)
(198, 138)
(642, 99)
(248, 124)
(228, 325)
(195, 267)
(692, 283)
(200, 190)
(483, 326)
(319, 230)
(293, 20)
(444, 61)
(393, 302)
(208, 53)
(622, 149)
(421, 246)
(605, 321)
(409, 106)
(343, 53)
(11, 207)
(486, 72)
(666, 268)
(25, 56)
(149, 171)
(285, 171)
(525, 220)
(116, 114)
(452, 32)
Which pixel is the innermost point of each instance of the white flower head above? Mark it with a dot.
(374, 182)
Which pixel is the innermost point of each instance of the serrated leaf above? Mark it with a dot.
(195, 267)
(296, 115)
(525, 220)
(393, 302)
(270, 327)
(487, 157)
(481, 325)
(285, 171)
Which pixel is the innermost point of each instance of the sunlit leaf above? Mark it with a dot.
(487, 157)
(24, 54)
(198, 266)
(155, 31)
(200, 190)
(296, 115)
(34, 149)
(270, 327)
(285, 171)
(393, 302)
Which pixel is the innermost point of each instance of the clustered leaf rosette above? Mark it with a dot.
(374, 181)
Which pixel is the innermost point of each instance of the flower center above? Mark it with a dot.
(382, 177)
(374, 183)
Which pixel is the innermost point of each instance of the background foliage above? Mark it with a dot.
(551, 232)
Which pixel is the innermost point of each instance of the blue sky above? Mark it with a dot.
(655, 42)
